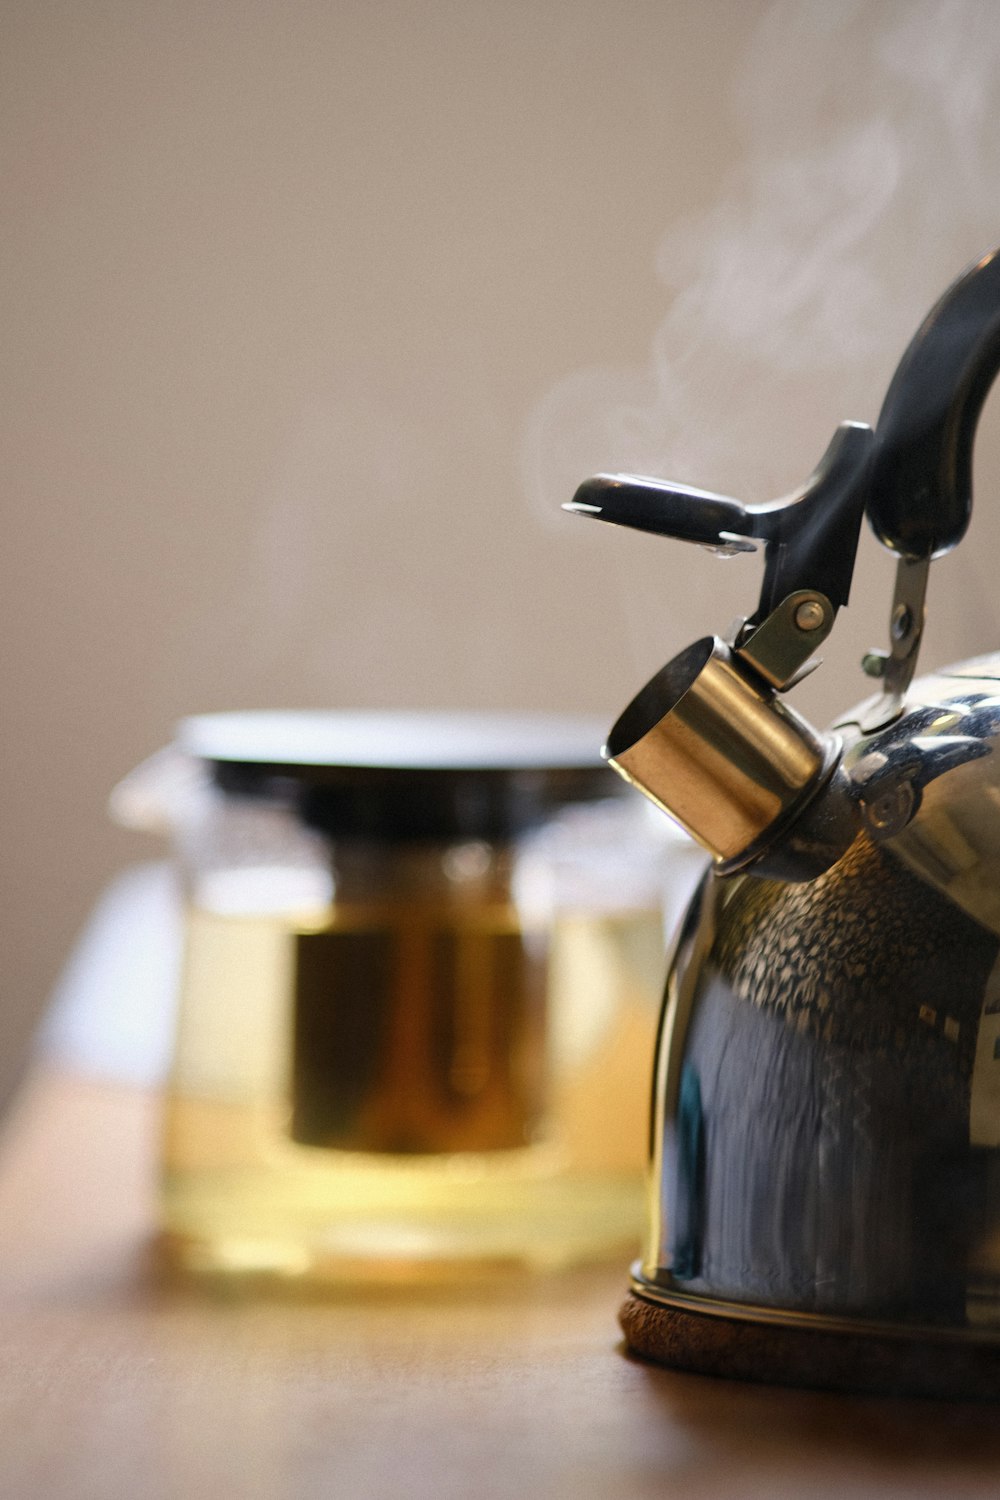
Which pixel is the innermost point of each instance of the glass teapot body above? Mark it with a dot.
(422, 961)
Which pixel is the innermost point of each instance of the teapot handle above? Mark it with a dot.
(921, 484)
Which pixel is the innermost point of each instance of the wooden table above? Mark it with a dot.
(113, 1383)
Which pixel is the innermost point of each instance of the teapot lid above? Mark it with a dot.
(406, 775)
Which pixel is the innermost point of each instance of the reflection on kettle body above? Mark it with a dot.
(688, 1215)
(836, 1093)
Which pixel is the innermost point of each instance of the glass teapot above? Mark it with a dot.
(421, 969)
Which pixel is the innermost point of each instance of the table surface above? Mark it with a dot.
(116, 1383)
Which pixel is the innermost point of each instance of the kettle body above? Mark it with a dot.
(824, 1192)
(826, 1112)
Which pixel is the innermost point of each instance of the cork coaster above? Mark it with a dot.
(830, 1360)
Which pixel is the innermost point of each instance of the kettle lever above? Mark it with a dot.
(810, 543)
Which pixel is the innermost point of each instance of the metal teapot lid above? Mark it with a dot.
(405, 775)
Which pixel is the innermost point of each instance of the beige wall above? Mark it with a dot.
(314, 312)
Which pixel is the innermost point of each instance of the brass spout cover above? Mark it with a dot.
(717, 750)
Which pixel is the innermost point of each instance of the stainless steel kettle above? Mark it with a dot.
(824, 1202)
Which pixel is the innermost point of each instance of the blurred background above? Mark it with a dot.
(315, 313)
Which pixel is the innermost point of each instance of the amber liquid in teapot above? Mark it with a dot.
(407, 1085)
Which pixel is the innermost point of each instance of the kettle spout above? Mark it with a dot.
(753, 782)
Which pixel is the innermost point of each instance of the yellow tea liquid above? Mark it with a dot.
(394, 1091)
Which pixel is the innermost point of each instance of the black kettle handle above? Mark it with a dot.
(921, 484)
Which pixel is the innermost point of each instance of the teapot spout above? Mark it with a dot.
(156, 795)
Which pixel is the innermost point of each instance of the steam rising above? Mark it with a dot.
(869, 180)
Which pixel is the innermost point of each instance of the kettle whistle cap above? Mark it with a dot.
(718, 752)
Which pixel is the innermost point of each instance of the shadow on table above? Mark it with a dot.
(769, 1422)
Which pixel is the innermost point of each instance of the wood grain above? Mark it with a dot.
(114, 1382)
